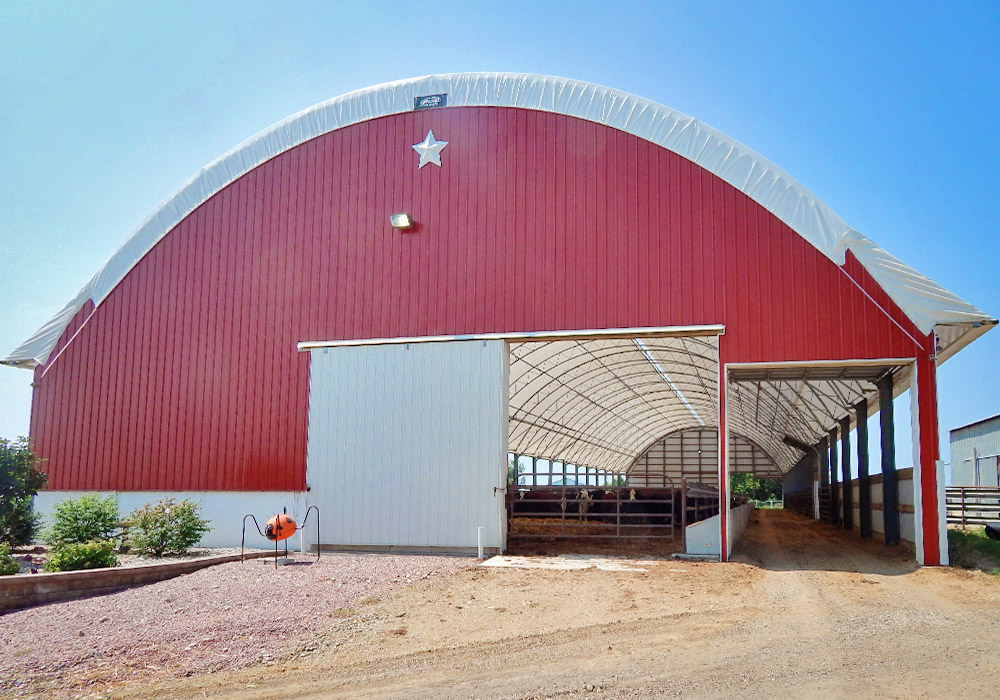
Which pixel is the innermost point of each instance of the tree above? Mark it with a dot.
(514, 475)
(754, 488)
(20, 480)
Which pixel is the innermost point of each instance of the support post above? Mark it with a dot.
(684, 511)
(864, 480)
(824, 466)
(845, 470)
(834, 483)
(929, 525)
(723, 460)
(890, 486)
(824, 463)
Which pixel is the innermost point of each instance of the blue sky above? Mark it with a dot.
(887, 111)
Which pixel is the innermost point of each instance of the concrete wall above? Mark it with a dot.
(702, 537)
(223, 509)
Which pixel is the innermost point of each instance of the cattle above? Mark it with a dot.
(646, 506)
(634, 508)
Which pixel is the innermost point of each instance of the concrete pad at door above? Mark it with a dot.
(569, 562)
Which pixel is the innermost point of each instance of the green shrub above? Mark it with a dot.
(166, 527)
(87, 518)
(7, 564)
(77, 556)
(20, 480)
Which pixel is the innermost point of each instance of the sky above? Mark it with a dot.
(886, 111)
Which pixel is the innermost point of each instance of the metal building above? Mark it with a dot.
(975, 453)
(580, 275)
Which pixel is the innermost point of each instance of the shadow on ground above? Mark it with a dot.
(780, 540)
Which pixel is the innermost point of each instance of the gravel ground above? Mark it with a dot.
(223, 617)
(805, 612)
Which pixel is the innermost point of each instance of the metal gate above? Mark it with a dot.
(606, 512)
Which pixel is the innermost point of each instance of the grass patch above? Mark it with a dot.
(972, 549)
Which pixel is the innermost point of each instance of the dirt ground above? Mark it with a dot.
(804, 612)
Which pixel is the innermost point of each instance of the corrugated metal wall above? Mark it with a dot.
(407, 443)
(187, 376)
(975, 454)
(694, 455)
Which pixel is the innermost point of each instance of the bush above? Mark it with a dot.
(167, 527)
(84, 519)
(76, 556)
(20, 480)
(7, 564)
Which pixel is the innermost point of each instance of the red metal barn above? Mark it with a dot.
(586, 275)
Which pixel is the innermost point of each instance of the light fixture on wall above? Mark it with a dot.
(403, 222)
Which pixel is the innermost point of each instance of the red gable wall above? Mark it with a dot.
(187, 376)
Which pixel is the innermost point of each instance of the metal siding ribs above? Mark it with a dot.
(187, 376)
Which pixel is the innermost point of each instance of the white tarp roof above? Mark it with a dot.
(925, 303)
(601, 403)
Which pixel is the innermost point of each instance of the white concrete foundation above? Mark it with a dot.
(223, 509)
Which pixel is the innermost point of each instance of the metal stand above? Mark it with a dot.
(305, 520)
(243, 537)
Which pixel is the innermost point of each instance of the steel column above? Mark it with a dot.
(845, 469)
(864, 480)
(723, 456)
(824, 462)
(890, 486)
(931, 551)
(834, 491)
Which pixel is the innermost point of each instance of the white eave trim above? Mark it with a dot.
(527, 337)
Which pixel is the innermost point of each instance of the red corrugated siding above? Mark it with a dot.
(187, 376)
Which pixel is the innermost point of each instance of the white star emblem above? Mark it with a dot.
(429, 150)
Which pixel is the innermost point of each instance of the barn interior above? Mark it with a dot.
(614, 442)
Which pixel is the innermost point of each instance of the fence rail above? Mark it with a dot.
(972, 505)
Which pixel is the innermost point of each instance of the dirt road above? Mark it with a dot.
(804, 612)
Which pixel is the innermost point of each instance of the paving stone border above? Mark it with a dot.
(17, 592)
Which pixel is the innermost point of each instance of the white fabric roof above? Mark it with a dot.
(925, 302)
(601, 403)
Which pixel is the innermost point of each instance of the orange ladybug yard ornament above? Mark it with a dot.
(280, 527)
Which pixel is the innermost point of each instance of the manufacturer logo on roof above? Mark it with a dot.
(430, 101)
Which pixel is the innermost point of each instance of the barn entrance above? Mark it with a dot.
(608, 440)
(613, 439)
(813, 418)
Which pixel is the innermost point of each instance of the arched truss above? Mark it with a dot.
(803, 403)
(693, 454)
(601, 403)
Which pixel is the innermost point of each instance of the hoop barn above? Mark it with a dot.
(266, 338)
